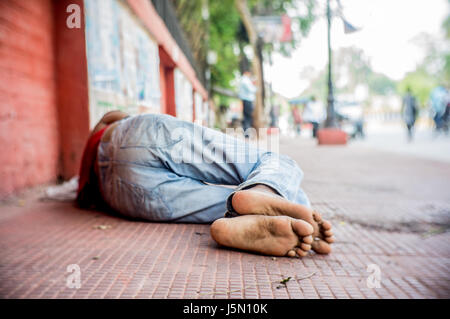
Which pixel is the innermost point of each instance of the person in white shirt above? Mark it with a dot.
(314, 113)
(247, 92)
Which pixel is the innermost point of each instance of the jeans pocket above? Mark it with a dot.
(151, 131)
(127, 198)
(137, 202)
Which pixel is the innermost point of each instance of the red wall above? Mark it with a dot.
(72, 88)
(28, 114)
(44, 105)
(167, 83)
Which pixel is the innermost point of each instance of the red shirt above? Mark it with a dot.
(88, 188)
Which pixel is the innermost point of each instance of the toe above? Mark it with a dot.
(328, 233)
(302, 228)
(305, 247)
(307, 239)
(326, 225)
(301, 252)
(321, 247)
(317, 217)
(330, 239)
(291, 253)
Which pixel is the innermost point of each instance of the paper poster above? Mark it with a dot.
(123, 61)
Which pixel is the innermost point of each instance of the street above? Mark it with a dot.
(392, 137)
(390, 213)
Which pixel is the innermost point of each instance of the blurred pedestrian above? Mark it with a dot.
(313, 113)
(439, 100)
(446, 116)
(247, 92)
(297, 119)
(274, 114)
(409, 112)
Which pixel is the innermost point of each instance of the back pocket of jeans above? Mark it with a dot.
(137, 202)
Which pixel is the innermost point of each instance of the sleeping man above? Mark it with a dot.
(158, 168)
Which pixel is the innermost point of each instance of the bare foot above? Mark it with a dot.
(269, 235)
(262, 200)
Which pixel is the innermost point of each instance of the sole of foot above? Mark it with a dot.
(268, 235)
(260, 202)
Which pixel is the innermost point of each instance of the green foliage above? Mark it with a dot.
(220, 33)
(446, 27)
(224, 23)
(421, 84)
(434, 69)
(380, 84)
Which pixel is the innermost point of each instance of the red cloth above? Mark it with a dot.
(88, 188)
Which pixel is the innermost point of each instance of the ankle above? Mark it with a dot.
(263, 188)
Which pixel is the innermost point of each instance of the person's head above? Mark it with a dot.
(313, 98)
(247, 73)
(408, 89)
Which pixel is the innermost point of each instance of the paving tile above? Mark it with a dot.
(157, 260)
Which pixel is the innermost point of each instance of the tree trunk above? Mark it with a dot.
(246, 18)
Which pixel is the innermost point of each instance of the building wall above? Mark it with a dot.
(72, 88)
(44, 87)
(123, 61)
(28, 114)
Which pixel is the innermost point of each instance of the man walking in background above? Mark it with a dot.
(314, 113)
(247, 92)
(409, 111)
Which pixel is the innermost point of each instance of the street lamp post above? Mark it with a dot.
(331, 116)
(331, 122)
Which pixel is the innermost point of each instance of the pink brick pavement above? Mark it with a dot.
(389, 210)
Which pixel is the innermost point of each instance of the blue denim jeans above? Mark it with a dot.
(159, 168)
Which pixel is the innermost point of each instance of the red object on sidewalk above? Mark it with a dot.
(88, 189)
(331, 136)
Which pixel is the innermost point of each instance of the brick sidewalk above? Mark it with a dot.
(389, 210)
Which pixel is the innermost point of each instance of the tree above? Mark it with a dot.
(446, 27)
(210, 26)
(220, 33)
(434, 70)
(421, 84)
(246, 18)
(266, 7)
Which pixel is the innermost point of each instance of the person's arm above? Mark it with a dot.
(108, 119)
(251, 87)
(248, 85)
